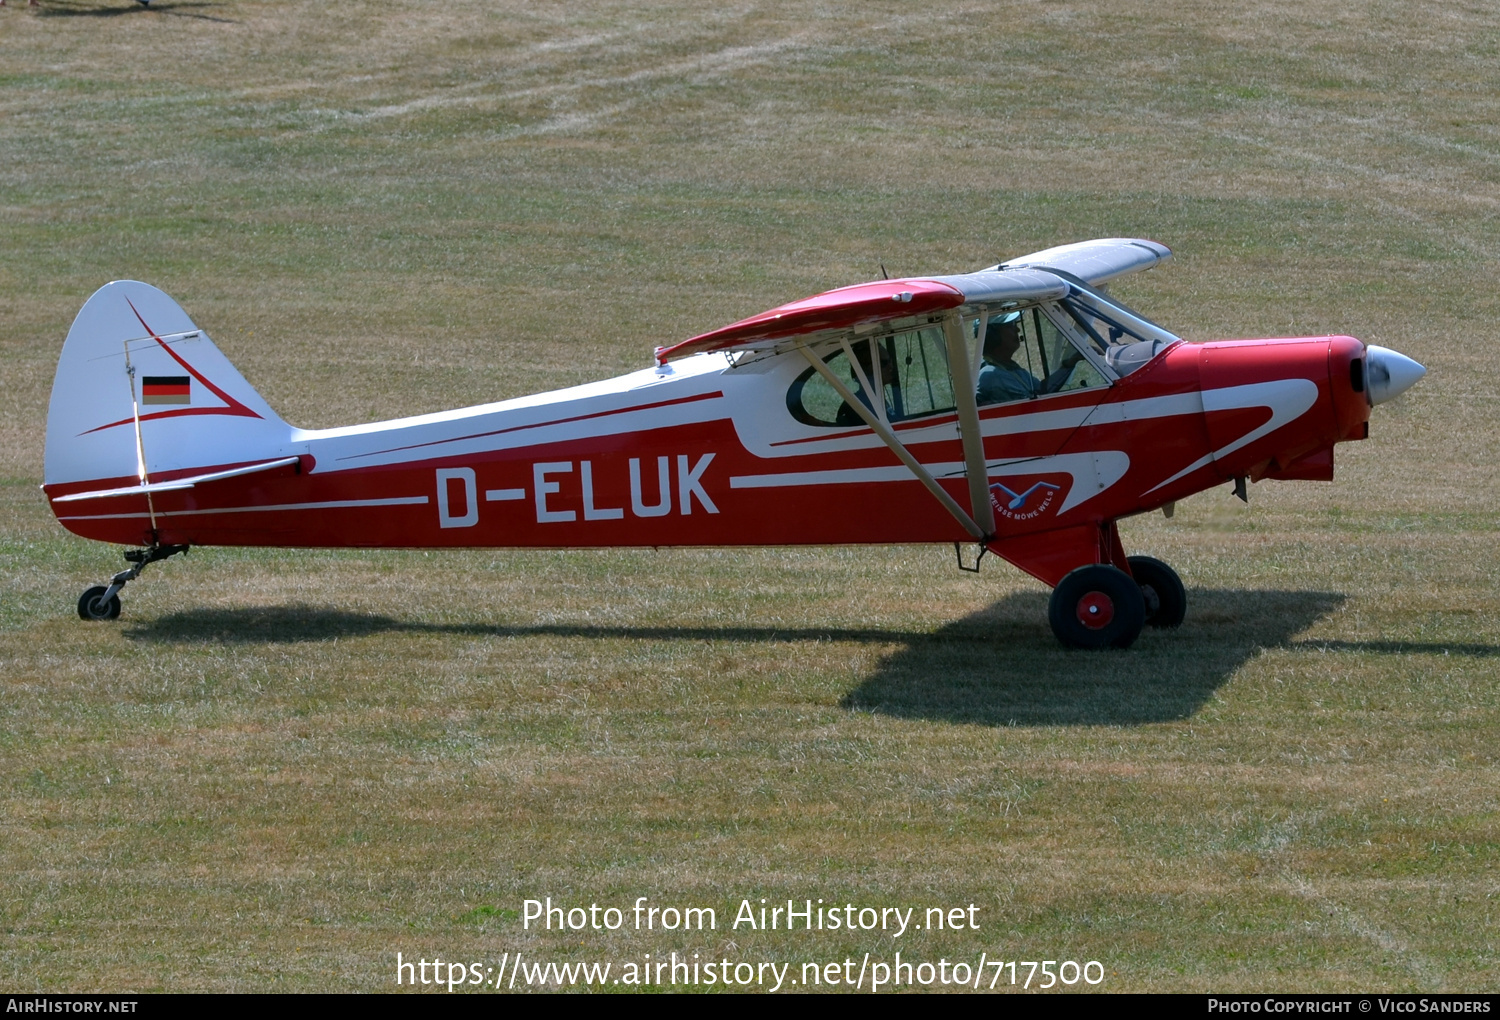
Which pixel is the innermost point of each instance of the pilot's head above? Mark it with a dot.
(1002, 338)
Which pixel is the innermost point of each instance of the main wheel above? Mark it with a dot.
(1097, 607)
(1162, 590)
(92, 607)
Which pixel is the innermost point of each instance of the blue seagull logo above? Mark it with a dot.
(1018, 500)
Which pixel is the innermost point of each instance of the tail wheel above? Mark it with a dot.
(1097, 607)
(1161, 588)
(93, 606)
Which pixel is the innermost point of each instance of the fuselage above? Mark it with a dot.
(705, 452)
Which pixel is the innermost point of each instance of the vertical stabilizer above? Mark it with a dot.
(140, 390)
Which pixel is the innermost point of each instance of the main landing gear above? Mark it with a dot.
(103, 603)
(1101, 606)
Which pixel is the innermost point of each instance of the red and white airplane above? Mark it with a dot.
(1019, 407)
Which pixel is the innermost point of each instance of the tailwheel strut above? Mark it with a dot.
(102, 602)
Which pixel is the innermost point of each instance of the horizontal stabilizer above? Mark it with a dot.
(177, 484)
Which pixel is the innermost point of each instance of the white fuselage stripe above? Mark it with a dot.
(1287, 400)
(1106, 467)
(1057, 420)
(840, 476)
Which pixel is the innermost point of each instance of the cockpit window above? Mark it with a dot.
(921, 362)
(1124, 338)
(1100, 326)
(1084, 341)
(910, 369)
(813, 401)
(1026, 354)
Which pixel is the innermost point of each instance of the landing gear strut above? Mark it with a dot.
(103, 603)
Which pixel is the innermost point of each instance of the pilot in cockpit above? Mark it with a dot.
(1001, 378)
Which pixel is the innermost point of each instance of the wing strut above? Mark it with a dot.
(889, 438)
(965, 396)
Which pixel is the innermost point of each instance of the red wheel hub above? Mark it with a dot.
(1095, 610)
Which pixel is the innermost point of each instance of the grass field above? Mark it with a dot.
(279, 769)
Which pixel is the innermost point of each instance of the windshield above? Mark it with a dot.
(1131, 324)
(1124, 338)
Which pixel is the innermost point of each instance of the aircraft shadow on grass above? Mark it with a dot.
(999, 666)
(179, 8)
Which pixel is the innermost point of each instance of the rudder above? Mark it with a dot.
(132, 349)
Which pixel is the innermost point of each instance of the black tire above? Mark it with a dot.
(1097, 607)
(90, 608)
(1161, 588)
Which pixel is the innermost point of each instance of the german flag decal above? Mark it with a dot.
(166, 389)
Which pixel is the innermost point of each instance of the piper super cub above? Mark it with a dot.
(1019, 407)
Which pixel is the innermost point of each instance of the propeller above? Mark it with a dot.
(1390, 373)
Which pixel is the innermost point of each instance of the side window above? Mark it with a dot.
(1070, 372)
(922, 384)
(813, 402)
(1026, 355)
(910, 368)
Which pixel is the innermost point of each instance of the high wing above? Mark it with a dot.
(842, 313)
(1020, 281)
(1098, 261)
(839, 311)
